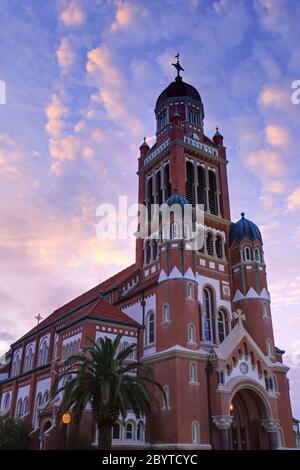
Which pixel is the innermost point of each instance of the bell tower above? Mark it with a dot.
(250, 289)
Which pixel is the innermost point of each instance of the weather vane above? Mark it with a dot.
(38, 318)
(178, 67)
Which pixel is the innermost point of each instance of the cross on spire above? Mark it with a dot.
(178, 67)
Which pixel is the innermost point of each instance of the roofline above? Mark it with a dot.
(90, 316)
(29, 335)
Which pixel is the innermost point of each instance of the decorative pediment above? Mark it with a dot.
(251, 294)
(176, 274)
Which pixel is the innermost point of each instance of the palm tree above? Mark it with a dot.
(110, 381)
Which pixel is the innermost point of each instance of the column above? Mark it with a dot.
(223, 423)
(271, 427)
(214, 239)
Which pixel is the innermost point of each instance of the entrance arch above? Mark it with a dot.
(250, 414)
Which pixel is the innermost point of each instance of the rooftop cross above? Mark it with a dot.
(38, 318)
(178, 67)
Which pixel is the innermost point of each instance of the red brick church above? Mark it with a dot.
(201, 318)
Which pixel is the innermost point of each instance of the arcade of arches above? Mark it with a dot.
(248, 424)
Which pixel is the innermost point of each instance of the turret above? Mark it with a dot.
(249, 280)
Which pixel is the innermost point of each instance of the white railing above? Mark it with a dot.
(157, 151)
(199, 145)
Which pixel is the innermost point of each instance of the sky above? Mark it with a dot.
(82, 78)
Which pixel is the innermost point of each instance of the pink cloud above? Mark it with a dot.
(65, 54)
(73, 14)
(293, 201)
(277, 135)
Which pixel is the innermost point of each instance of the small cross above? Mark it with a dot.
(238, 315)
(39, 318)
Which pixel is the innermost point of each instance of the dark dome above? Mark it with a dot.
(176, 89)
(244, 228)
(176, 199)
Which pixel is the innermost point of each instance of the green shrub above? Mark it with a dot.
(14, 434)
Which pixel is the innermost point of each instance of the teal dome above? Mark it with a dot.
(244, 228)
(176, 199)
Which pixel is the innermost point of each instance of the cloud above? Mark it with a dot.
(55, 112)
(65, 54)
(73, 14)
(274, 96)
(277, 135)
(113, 89)
(266, 163)
(293, 201)
(131, 17)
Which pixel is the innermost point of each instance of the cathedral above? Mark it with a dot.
(201, 318)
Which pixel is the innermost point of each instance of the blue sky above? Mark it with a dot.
(82, 79)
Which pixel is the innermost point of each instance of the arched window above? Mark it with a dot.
(212, 192)
(266, 310)
(166, 399)
(174, 230)
(129, 431)
(221, 326)
(116, 431)
(209, 244)
(150, 196)
(191, 333)
(193, 372)
(167, 181)
(148, 252)
(28, 359)
(46, 397)
(159, 188)
(139, 431)
(67, 350)
(43, 353)
(39, 400)
(219, 246)
(189, 182)
(281, 442)
(16, 365)
(201, 186)
(6, 402)
(19, 408)
(195, 432)
(247, 253)
(257, 255)
(190, 291)
(25, 406)
(270, 347)
(150, 336)
(207, 307)
(166, 313)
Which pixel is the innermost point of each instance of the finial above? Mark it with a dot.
(243, 214)
(38, 318)
(178, 67)
(145, 139)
